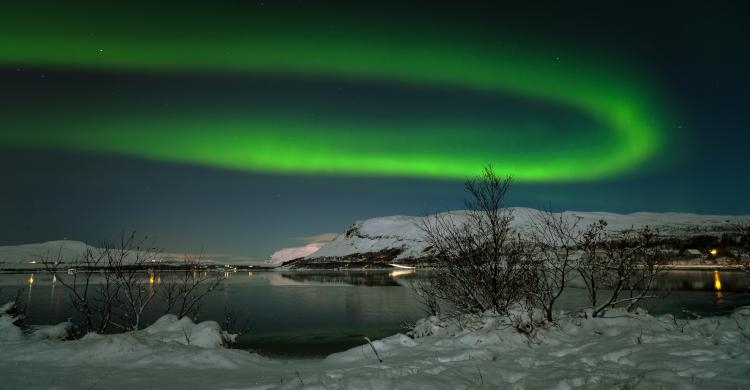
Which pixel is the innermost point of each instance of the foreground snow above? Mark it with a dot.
(621, 351)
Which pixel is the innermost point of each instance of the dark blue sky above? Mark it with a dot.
(696, 56)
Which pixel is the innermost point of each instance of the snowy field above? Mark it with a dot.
(633, 351)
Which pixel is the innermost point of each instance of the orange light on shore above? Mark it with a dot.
(717, 281)
(713, 252)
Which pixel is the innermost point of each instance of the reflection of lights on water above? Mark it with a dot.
(151, 278)
(158, 279)
(54, 278)
(250, 275)
(400, 272)
(31, 279)
(717, 281)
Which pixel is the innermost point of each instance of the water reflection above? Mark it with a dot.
(327, 311)
(401, 272)
(704, 280)
(352, 278)
(717, 281)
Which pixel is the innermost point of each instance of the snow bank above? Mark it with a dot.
(170, 329)
(61, 331)
(621, 350)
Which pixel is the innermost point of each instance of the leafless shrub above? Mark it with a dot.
(591, 265)
(126, 259)
(628, 261)
(184, 290)
(113, 286)
(479, 259)
(94, 301)
(555, 238)
(651, 262)
(428, 300)
(233, 327)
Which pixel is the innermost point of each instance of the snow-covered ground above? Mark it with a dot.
(620, 351)
(403, 232)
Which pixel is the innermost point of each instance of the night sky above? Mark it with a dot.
(238, 128)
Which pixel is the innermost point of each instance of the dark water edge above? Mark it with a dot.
(311, 314)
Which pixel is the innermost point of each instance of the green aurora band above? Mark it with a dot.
(616, 98)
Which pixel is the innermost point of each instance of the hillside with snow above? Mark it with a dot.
(399, 238)
(31, 256)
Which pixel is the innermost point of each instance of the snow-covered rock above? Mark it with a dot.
(9, 331)
(402, 234)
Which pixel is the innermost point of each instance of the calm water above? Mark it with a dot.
(315, 313)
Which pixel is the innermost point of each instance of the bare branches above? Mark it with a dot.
(95, 301)
(555, 238)
(591, 266)
(629, 261)
(478, 257)
(182, 291)
(114, 285)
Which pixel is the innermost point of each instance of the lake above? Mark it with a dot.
(310, 314)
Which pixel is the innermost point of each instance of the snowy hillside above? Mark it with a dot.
(286, 254)
(29, 255)
(402, 233)
(67, 251)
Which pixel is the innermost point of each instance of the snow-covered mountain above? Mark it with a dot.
(67, 251)
(400, 238)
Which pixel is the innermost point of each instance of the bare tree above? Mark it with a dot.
(556, 238)
(628, 261)
(591, 265)
(183, 290)
(233, 330)
(127, 258)
(422, 289)
(94, 300)
(479, 260)
(652, 261)
(106, 285)
(620, 258)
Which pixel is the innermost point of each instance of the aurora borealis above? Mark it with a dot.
(624, 111)
(225, 125)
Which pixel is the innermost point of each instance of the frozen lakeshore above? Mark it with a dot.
(622, 350)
